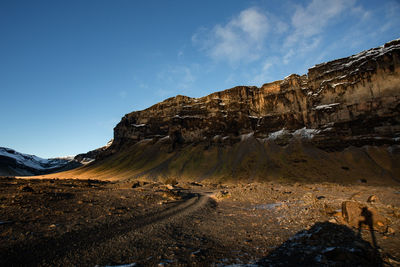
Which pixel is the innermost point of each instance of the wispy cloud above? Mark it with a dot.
(178, 79)
(310, 20)
(241, 39)
(368, 29)
(258, 46)
(392, 11)
(262, 75)
(309, 24)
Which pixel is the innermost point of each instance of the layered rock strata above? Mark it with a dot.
(349, 101)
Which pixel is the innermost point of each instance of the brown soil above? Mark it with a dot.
(89, 223)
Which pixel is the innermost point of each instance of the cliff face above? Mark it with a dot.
(338, 123)
(349, 101)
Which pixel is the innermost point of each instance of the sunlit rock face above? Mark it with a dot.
(349, 101)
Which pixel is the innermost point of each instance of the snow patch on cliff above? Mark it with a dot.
(339, 84)
(278, 134)
(328, 106)
(244, 137)
(302, 133)
(305, 133)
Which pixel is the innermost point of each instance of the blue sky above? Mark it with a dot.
(69, 70)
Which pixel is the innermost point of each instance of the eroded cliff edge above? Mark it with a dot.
(349, 101)
(340, 122)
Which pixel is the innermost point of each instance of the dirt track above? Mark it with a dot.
(88, 223)
(108, 242)
(132, 238)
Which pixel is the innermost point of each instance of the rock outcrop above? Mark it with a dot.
(338, 123)
(349, 101)
(361, 216)
(90, 156)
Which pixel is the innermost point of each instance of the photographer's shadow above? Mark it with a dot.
(369, 223)
(326, 244)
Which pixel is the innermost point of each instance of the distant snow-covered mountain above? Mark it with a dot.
(16, 163)
(13, 163)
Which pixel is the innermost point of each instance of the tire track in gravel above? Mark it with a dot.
(86, 247)
(122, 243)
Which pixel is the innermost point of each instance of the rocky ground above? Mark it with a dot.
(88, 223)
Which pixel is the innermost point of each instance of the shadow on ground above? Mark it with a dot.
(324, 244)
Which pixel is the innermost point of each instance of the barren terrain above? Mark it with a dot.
(58, 222)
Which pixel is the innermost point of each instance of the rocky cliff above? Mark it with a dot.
(344, 114)
(349, 101)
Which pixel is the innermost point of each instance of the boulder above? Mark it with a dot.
(372, 199)
(362, 216)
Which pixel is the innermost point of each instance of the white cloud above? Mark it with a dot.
(287, 56)
(304, 47)
(361, 13)
(309, 23)
(260, 45)
(253, 23)
(241, 39)
(263, 74)
(392, 11)
(280, 26)
(311, 20)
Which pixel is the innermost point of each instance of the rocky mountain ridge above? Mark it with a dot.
(16, 163)
(339, 123)
(349, 101)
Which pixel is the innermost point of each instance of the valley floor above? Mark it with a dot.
(88, 223)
